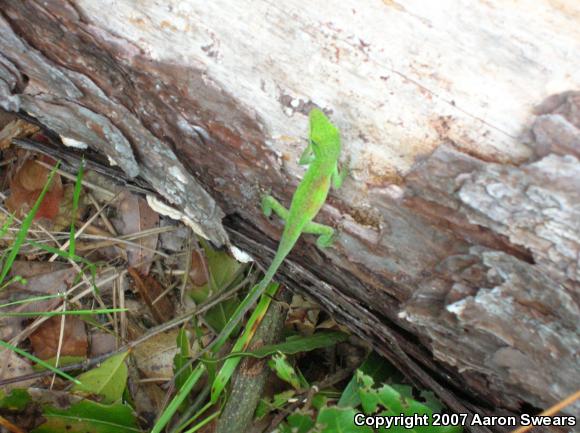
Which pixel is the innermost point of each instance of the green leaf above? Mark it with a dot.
(108, 380)
(396, 401)
(431, 401)
(89, 417)
(284, 370)
(31, 299)
(339, 420)
(16, 400)
(405, 390)
(181, 360)
(292, 345)
(319, 400)
(387, 397)
(62, 361)
(296, 344)
(299, 422)
(278, 401)
(374, 366)
(217, 317)
(182, 368)
(225, 372)
(224, 270)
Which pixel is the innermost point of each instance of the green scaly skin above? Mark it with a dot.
(321, 155)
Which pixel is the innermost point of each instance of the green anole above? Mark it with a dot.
(321, 156)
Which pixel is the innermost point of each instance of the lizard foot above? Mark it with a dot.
(326, 240)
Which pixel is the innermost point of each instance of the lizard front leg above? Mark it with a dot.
(307, 156)
(338, 177)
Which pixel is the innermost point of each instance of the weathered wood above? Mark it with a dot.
(459, 236)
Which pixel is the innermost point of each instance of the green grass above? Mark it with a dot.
(38, 361)
(64, 313)
(10, 255)
(20, 239)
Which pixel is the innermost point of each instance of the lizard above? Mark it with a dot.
(321, 155)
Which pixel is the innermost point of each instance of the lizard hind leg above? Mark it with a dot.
(326, 234)
(270, 204)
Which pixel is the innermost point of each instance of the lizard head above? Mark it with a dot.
(324, 136)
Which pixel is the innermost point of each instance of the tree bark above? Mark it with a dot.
(459, 246)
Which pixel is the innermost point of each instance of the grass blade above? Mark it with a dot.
(39, 361)
(26, 223)
(230, 364)
(64, 313)
(75, 206)
(178, 399)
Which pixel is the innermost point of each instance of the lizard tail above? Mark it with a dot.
(273, 268)
(284, 248)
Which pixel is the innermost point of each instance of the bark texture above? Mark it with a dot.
(459, 247)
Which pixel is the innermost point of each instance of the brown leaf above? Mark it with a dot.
(102, 342)
(25, 187)
(32, 176)
(154, 357)
(64, 216)
(150, 290)
(11, 366)
(59, 280)
(199, 272)
(45, 339)
(303, 315)
(136, 216)
(31, 268)
(10, 326)
(39, 280)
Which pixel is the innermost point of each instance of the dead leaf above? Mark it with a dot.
(6, 117)
(135, 216)
(11, 366)
(148, 398)
(154, 357)
(105, 189)
(44, 282)
(174, 240)
(10, 326)
(45, 339)
(64, 216)
(150, 290)
(38, 282)
(31, 268)
(303, 315)
(199, 272)
(27, 184)
(101, 343)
